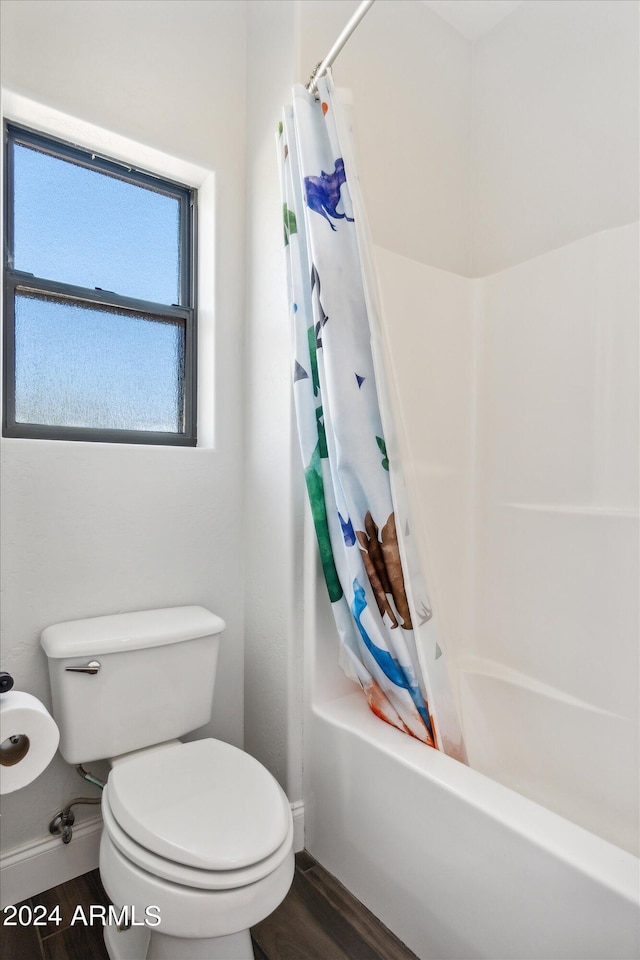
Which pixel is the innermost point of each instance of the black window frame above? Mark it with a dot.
(16, 281)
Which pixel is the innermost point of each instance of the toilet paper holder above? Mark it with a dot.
(16, 747)
(29, 736)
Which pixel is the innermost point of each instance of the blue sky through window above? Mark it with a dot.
(86, 228)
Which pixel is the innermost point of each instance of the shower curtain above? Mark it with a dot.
(381, 609)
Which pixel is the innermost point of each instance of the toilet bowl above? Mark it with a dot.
(204, 834)
(200, 831)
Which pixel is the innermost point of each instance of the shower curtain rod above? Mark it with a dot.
(324, 65)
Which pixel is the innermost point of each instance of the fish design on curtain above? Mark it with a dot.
(340, 427)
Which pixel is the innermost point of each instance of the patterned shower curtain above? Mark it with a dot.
(377, 597)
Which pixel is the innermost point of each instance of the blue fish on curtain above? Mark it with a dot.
(340, 428)
(322, 193)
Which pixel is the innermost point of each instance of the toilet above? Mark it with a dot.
(197, 842)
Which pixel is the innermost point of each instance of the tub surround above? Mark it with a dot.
(519, 442)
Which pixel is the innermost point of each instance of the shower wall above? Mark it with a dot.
(517, 403)
(517, 395)
(550, 669)
(555, 601)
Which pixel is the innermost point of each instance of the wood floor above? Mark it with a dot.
(318, 920)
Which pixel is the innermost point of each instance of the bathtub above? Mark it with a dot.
(455, 864)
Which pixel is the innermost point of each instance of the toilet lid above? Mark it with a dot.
(204, 804)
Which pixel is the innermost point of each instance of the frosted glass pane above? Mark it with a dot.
(77, 366)
(83, 227)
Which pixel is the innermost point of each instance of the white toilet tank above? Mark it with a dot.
(127, 681)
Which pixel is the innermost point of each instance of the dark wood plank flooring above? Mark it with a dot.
(318, 920)
(58, 941)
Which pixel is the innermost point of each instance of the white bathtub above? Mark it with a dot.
(568, 755)
(458, 866)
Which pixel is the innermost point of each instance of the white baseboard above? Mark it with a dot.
(297, 810)
(41, 864)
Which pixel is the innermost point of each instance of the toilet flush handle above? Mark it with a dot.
(92, 667)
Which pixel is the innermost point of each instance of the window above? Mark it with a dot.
(100, 326)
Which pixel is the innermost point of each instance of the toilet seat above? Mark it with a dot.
(180, 874)
(205, 805)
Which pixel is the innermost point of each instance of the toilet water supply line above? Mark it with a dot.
(322, 67)
(89, 777)
(62, 823)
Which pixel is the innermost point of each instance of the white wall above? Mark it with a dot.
(90, 529)
(555, 128)
(166, 73)
(274, 498)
